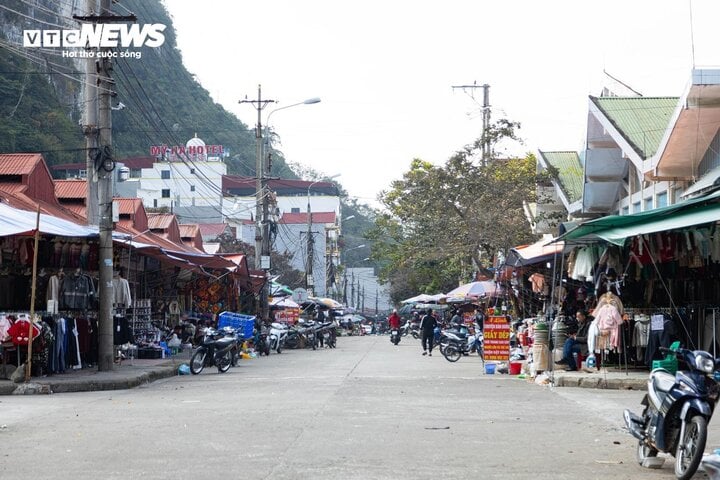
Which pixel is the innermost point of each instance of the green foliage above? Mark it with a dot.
(446, 223)
(164, 102)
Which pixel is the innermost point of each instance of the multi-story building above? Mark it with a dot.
(641, 153)
(187, 180)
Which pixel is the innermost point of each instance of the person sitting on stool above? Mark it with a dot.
(576, 341)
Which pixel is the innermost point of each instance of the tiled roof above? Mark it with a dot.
(160, 220)
(18, 163)
(569, 172)
(189, 230)
(77, 209)
(642, 121)
(13, 188)
(212, 229)
(138, 162)
(317, 217)
(240, 185)
(65, 189)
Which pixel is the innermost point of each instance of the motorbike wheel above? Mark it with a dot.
(396, 340)
(224, 362)
(644, 451)
(690, 448)
(451, 353)
(234, 358)
(415, 335)
(197, 362)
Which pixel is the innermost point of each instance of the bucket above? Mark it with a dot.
(515, 368)
(490, 368)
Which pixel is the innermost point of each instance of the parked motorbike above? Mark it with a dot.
(217, 348)
(456, 342)
(261, 340)
(410, 328)
(676, 413)
(277, 336)
(327, 334)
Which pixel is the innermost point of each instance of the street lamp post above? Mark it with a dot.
(309, 281)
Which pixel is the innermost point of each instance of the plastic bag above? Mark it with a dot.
(184, 369)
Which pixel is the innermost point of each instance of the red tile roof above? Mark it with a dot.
(66, 189)
(79, 210)
(19, 163)
(12, 188)
(317, 217)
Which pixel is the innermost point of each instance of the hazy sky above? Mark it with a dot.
(385, 70)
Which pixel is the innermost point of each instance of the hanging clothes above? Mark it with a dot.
(609, 321)
(661, 335)
(121, 292)
(19, 332)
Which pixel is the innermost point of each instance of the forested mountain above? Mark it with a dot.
(41, 99)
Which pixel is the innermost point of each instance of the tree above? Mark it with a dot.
(444, 224)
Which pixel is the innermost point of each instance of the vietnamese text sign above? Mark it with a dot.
(497, 339)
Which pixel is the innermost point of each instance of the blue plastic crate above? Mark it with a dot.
(243, 323)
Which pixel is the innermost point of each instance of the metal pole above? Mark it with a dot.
(33, 289)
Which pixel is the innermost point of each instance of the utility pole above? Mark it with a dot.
(376, 302)
(345, 287)
(309, 280)
(90, 128)
(484, 140)
(352, 288)
(262, 236)
(104, 164)
(363, 298)
(357, 303)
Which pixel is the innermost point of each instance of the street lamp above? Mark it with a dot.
(309, 282)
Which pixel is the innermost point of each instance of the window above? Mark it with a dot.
(82, 173)
(154, 202)
(166, 193)
(625, 210)
(192, 171)
(135, 173)
(636, 207)
(165, 174)
(648, 204)
(192, 188)
(661, 200)
(294, 210)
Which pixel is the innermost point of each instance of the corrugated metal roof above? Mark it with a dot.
(128, 206)
(138, 162)
(18, 163)
(317, 217)
(569, 172)
(160, 220)
(13, 188)
(212, 229)
(640, 120)
(77, 209)
(189, 230)
(65, 189)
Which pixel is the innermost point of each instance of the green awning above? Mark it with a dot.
(617, 228)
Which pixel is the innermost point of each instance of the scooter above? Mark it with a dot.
(455, 343)
(216, 349)
(277, 336)
(676, 413)
(395, 335)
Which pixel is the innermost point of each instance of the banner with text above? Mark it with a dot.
(497, 339)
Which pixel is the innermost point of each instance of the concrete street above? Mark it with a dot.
(365, 410)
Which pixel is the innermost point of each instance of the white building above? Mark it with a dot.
(186, 179)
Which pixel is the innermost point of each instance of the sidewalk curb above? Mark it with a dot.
(117, 381)
(600, 382)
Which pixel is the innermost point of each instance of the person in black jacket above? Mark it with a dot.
(427, 327)
(576, 341)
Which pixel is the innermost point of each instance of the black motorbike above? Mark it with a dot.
(395, 335)
(677, 410)
(217, 348)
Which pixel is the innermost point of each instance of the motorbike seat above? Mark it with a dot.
(459, 333)
(662, 381)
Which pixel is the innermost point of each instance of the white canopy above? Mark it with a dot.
(14, 221)
(424, 298)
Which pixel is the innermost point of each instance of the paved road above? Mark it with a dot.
(366, 410)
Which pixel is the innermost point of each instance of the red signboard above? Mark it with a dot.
(287, 315)
(497, 339)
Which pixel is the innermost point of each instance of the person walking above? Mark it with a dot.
(427, 327)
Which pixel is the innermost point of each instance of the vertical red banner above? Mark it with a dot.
(497, 339)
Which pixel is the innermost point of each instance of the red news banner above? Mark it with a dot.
(497, 339)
